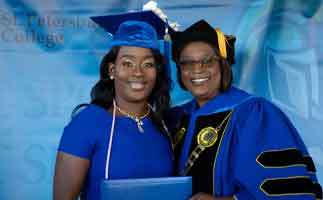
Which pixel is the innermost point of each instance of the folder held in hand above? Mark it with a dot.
(170, 188)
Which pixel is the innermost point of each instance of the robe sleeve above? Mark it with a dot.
(270, 160)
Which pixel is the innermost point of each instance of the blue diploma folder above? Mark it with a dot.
(170, 188)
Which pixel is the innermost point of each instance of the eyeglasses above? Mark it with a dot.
(206, 62)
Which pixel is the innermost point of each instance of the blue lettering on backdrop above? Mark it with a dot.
(50, 54)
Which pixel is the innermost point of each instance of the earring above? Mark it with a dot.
(111, 77)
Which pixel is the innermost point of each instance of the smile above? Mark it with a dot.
(136, 85)
(199, 80)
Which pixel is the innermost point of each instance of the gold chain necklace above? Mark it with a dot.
(138, 119)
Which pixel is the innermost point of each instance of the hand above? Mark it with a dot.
(204, 196)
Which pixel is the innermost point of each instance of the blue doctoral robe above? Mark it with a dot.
(255, 153)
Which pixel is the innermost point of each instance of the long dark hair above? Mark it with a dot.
(102, 93)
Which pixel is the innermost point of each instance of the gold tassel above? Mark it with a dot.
(221, 42)
(166, 35)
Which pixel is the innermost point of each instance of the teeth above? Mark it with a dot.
(200, 80)
(136, 85)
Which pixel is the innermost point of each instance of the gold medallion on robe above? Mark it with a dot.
(207, 136)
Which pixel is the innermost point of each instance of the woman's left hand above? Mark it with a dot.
(204, 196)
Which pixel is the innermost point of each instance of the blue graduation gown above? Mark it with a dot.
(256, 153)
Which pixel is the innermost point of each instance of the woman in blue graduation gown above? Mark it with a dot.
(233, 144)
(120, 134)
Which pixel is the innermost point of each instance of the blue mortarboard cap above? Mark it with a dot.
(142, 29)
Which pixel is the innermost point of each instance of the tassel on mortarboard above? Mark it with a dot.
(222, 43)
